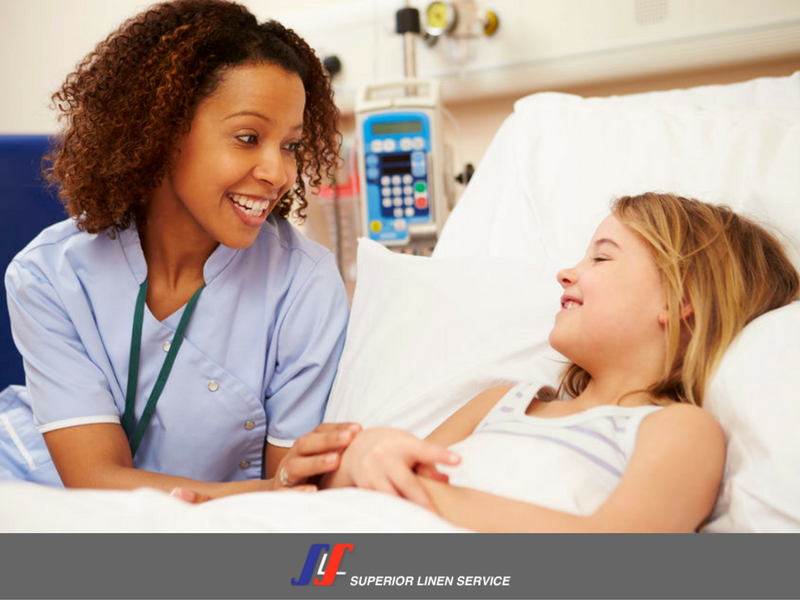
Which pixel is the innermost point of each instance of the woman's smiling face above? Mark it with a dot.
(238, 158)
(612, 299)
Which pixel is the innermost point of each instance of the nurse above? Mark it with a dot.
(176, 331)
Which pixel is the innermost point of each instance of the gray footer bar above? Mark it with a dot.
(399, 566)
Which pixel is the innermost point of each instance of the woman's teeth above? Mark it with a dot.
(249, 206)
(570, 304)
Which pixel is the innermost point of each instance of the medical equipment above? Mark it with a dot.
(463, 18)
(460, 22)
(337, 222)
(402, 162)
(404, 166)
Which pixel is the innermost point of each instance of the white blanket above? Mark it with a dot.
(26, 507)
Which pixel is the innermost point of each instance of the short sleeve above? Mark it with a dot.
(310, 339)
(65, 386)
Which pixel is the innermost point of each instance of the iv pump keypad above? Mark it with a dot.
(396, 168)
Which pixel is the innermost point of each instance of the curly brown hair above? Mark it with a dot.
(130, 100)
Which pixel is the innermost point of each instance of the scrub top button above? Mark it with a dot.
(245, 464)
(249, 425)
(213, 386)
(166, 346)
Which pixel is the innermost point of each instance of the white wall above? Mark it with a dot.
(550, 44)
(541, 44)
(41, 41)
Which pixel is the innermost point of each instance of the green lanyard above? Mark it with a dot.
(135, 437)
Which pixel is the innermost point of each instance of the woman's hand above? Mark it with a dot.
(190, 496)
(312, 454)
(384, 460)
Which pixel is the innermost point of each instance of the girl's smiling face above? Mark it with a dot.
(238, 158)
(613, 300)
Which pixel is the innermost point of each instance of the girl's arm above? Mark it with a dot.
(463, 422)
(384, 459)
(98, 456)
(670, 485)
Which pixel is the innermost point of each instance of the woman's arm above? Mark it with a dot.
(98, 456)
(670, 485)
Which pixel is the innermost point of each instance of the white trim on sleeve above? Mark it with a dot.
(17, 441)
(77, 421)
(280, 443)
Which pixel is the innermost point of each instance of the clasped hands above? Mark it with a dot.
(389, 461)
(342, 455)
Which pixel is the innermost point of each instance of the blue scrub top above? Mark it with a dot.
(258, 359)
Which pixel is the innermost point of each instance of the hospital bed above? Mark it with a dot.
(427, 334)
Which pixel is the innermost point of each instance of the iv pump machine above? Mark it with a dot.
(402, 163)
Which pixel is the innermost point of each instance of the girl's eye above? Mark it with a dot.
(599, 259)
(248, 138)
(293, 146)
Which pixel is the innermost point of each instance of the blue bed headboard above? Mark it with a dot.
(27, 208)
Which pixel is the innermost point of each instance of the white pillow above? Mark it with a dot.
(552, 169)
(755, 397)
(426, 335)
(494, 217)
(583, 155)
(764, 92)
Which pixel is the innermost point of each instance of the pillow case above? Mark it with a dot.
(755, 397)
(426, 335)
(584, 155)
(556, 163)
(763, 92)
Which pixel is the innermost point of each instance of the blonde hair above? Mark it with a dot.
(727, 268)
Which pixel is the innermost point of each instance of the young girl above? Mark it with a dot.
(645, 318)
(176, 330)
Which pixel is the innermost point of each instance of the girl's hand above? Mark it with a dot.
(313, 454)
(384, 460)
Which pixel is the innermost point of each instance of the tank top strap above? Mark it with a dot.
(512, 404)
(628, 423)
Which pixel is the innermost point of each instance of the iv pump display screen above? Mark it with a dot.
(397, 127)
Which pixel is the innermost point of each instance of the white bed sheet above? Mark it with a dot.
(31, 508)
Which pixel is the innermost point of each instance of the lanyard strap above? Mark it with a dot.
(135, 437)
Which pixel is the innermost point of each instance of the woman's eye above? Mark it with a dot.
(293, 146)
(599, 259)
(248, 138)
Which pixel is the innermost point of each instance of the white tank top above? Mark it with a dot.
(569, 463)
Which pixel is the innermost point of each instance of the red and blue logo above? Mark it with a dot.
(318, 555)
